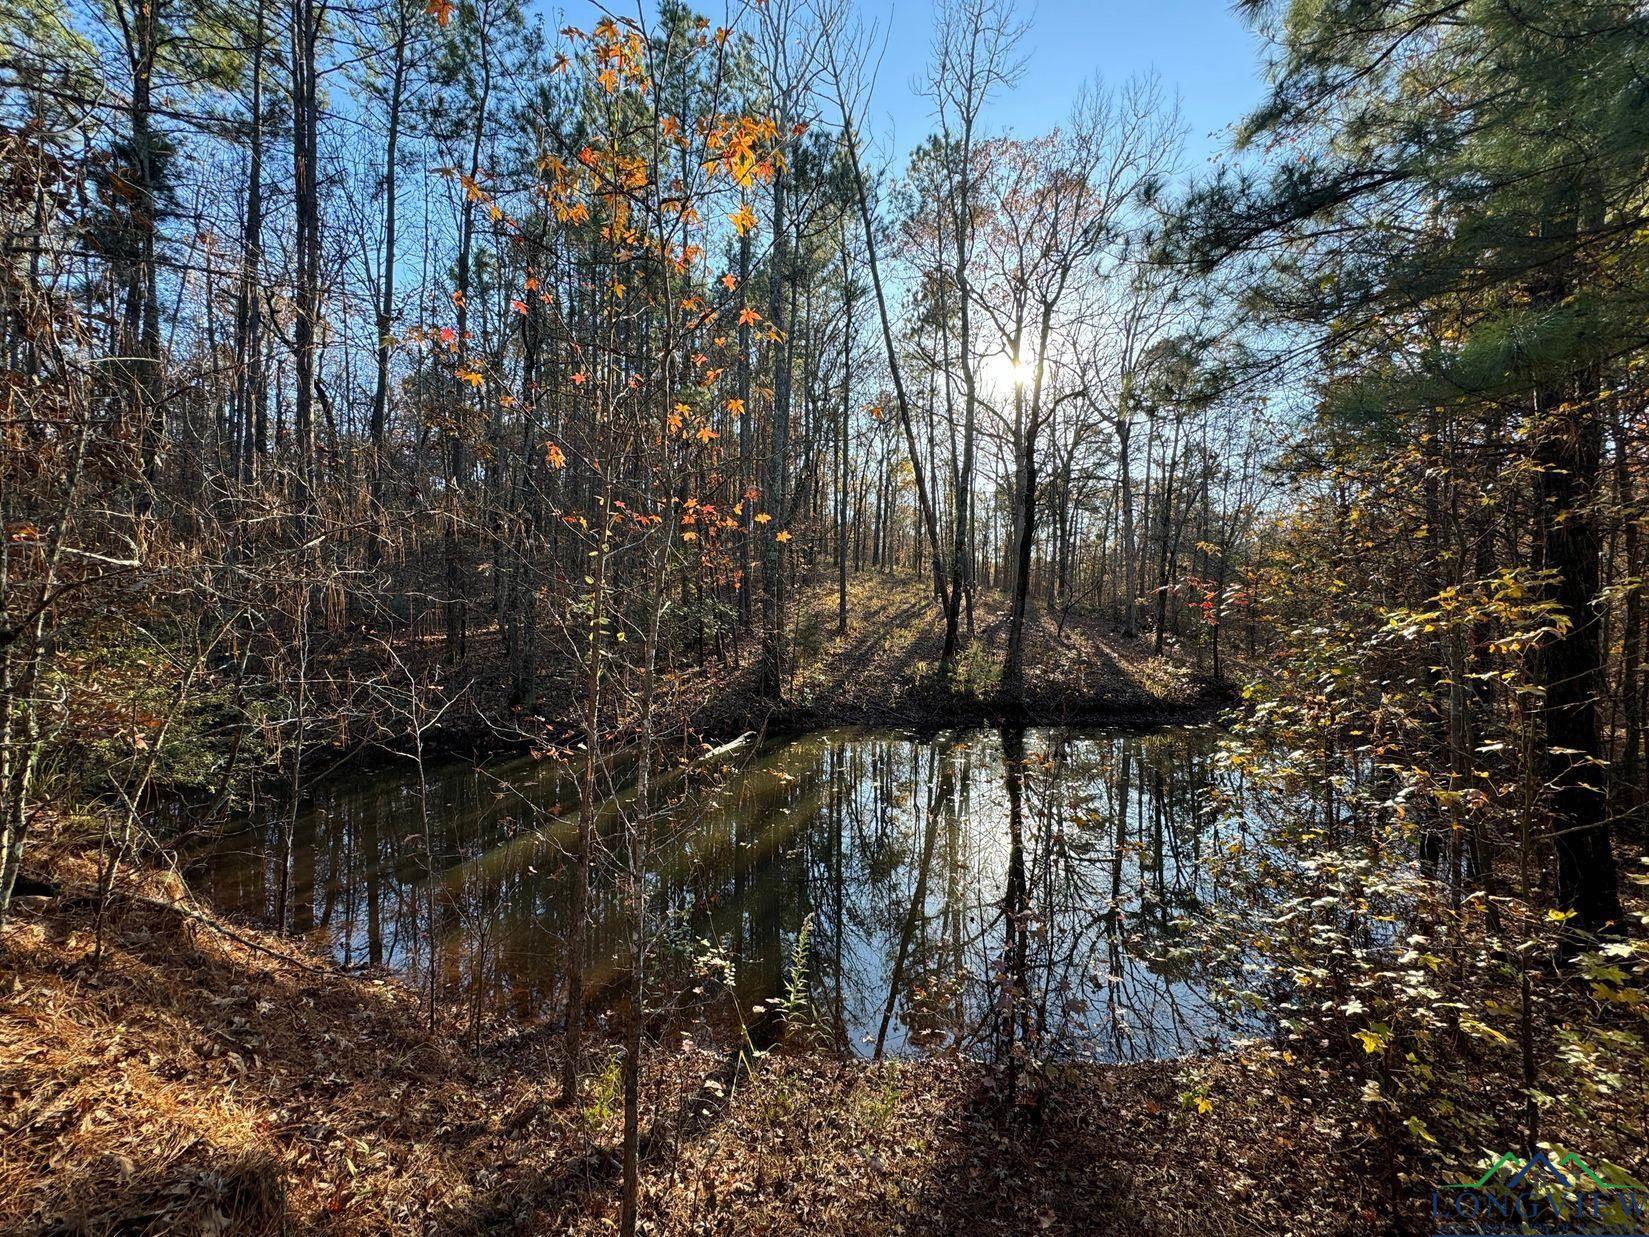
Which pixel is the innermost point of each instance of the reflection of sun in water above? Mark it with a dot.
(1000, 373)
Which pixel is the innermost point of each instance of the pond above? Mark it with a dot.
(892, 893)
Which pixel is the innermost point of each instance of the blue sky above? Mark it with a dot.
(1200, 48)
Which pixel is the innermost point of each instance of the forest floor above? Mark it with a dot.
(885, 669)
(885, 672)
(202, 1078)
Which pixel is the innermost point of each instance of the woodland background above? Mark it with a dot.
(416, 375)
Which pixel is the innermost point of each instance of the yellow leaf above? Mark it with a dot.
(1371, 1041)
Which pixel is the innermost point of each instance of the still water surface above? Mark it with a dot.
(908, 893)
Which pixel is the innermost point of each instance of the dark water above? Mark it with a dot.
(916, 893)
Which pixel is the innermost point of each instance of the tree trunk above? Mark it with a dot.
(250, 416)
(306, 203)
(573, 1027)
(1568, 452)
(386, 299)
(781, 280)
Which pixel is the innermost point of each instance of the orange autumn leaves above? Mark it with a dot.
(642, 205)
(743, 149)
(698, 516)
(660, 195)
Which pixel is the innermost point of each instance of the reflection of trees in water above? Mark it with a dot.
(1004, 891)
(1059, 889)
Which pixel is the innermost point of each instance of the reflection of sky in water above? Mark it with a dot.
(902, 854)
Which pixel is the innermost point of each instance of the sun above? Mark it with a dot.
(1001, 373)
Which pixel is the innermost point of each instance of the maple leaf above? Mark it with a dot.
(471, 376)
(553, 456)
(580, 378)
(705, 433)
(730, 281)
(748, 316)
(762, 517)
(448, 335)
(736, 407)
(743, 219)
(781, 535)
(441, 11)
(520, 307)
